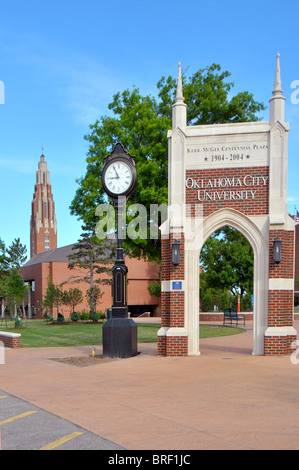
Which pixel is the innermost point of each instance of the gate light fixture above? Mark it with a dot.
(277, 249)
(176, 252)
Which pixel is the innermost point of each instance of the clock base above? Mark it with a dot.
(120, 338)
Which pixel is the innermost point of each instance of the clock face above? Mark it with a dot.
(118, 177)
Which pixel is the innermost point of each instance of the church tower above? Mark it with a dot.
(43, 225)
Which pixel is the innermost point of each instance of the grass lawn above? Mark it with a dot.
(39, 333)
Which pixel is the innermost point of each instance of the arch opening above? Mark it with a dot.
(226, 272)
(256, 234)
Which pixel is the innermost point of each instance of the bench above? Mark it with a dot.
(231, 315)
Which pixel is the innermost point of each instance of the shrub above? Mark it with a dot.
(84, 316)
(18, 321)
(74, 316)
(60, 318)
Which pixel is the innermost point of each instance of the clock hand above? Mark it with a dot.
(115, 172)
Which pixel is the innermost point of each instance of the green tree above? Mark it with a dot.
(227, 262)
(93, 295)
(53, 296)
(3, 272)
(94, 257)
(16, 254)
(11, 260)
(4, 262)
(141, 124)
(155, 288)
(13, 289)
(72, 297)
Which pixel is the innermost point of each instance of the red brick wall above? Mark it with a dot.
(219, 179)
(285, 269)
(161, 345)
(10, 342)
(278, 345)
(296, 285)
(281, 303)
(172, 304)
(280, 308)
(177, 346)
(165, 309)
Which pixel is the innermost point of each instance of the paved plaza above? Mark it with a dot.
(226, 398)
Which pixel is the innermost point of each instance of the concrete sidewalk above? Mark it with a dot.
(223, 399)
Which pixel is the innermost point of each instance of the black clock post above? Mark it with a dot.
(119, 179)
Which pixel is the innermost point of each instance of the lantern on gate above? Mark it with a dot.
(277, 250)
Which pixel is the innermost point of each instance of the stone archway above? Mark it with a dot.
(228, 174)
(258, 240)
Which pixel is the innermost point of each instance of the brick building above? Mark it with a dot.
(50, 262)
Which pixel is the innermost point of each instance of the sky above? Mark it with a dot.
(62, 62)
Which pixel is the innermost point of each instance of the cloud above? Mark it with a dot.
(82, 83)
(88, 90)
(19, 165)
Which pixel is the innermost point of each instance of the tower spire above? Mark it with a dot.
(179, 108)
(277, 82)
(179, 90)
(43, 225)
(42, 157)
(277, 102)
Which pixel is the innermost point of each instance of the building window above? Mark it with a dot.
(45, 210)
(47, 243)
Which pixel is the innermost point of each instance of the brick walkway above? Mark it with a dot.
(223, 399)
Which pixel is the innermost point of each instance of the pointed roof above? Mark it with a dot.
(42, 157)
(277, 82)
(277, 101)
(42, 164)
(179, 91)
